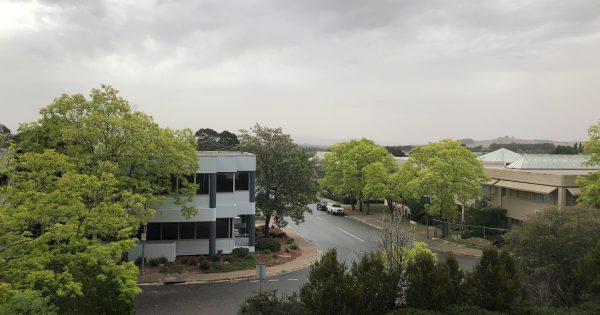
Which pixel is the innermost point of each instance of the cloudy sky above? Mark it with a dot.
(397, 72)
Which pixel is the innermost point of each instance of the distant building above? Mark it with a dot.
(533, 182)
(225, 200)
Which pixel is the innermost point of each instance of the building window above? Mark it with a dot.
(202, 230)
(202, 180)
(225, 182)
(223, 228)
(187, 231)
(169, 231)
(242, 181)
(153, 231)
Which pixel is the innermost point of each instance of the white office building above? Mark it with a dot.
(225, 200)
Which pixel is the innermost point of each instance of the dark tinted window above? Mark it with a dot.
(202, 230)
(186, 231)
(202, 181)
(224, 182)
(169, 231)
(223, 228)
(242, 180)
(153, 232)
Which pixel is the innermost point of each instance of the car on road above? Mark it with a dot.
(322, 205)
(335, 209)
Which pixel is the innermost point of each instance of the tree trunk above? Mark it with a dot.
(267, 224)
(368, 206)
(353, 202)
(360, 204)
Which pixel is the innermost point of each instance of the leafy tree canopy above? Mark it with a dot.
(104, 129)
(345, 166)
(210, 140)
(445, 171)
(590, 185)
(285, 174)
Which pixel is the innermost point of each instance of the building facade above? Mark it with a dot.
(534, 182)
(225, 199)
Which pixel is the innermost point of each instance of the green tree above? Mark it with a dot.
(590, 185)
(549, 248)
(104, 128)
(345, 167)
(374, 285)
(482, 213)
(389, 184)
(432, 285)
(329, 288)
(495, 283)
(210, 140)
(446, 171)
(52, 221)
(24, 302)
(285, 174)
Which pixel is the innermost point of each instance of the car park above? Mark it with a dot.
(335, 209)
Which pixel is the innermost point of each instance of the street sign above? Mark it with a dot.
(261, 272)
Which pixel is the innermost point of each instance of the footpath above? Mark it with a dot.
(310, 253)
(376, 220)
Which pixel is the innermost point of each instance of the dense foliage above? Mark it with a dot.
(84, 178)
(285, 175)
(209, 140)
(529, 148)
(590, 185)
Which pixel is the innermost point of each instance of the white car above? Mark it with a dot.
(335, 209)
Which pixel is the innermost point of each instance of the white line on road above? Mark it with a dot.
(293, 279)
(274, 280)
(356, 237)
(253, 280)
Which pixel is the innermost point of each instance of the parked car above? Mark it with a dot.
(335, 209)
(322, 205)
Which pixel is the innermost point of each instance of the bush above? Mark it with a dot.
(138, 261)
(228, 259)
(201, 258)
(268, 243)
(240, 252)
(289, 240)
(184, 260)
(192, 262)
(287, 250)
(269, 303)
(162, 260)
(495, 283)
(294, 247)
(215, 258)
(154, 262)
(204, 265)
(266, 251)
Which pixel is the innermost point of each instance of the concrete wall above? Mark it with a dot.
(219, 163)
(155, 249)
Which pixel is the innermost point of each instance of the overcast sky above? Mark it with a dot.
(397, 72)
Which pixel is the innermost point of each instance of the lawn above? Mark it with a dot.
(232, 263)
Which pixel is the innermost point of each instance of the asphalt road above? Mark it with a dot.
(351, 239)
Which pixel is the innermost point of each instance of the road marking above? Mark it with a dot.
(274, 280)
(293, 279)
(356, 237)
(253, 280)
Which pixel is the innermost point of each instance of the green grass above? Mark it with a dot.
(236, 263)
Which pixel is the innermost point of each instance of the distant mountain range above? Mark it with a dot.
(508, 140)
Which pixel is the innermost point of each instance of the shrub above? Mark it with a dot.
(215, 258)
(495, 283)
(204, 265)
(287, 250)
(268, 243)
(240, 252)
(275, 255)
(192, 262)
(184, 260)
(269, 303)
(228, 259)
(294, 247)
(162, 260)
(266, 251)
(201, 258)
(154, 262)
(138, 261)
(289, 240)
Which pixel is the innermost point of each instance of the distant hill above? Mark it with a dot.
(509, 140)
